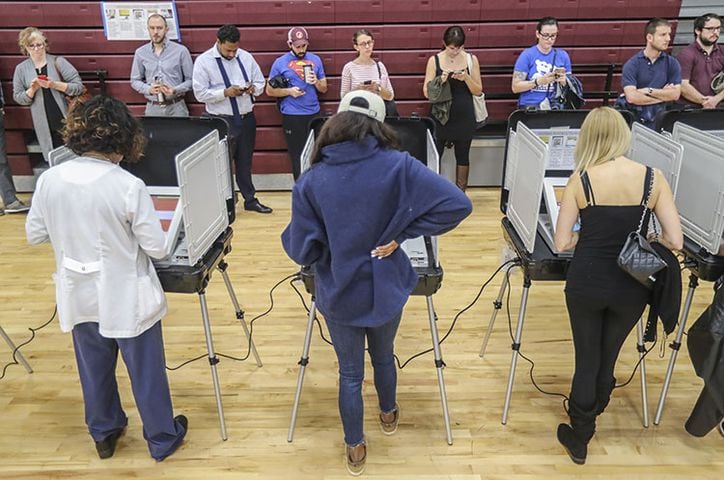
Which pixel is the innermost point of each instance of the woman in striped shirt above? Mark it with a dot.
(365, 73)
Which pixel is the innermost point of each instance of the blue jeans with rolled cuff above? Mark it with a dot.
(349, 345)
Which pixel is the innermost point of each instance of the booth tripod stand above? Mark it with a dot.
(439, 365)
(196, 281)
(541, 265)
(16, 353)
(702, 266)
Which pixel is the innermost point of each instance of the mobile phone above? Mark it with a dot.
(42, 77)
(367, 82)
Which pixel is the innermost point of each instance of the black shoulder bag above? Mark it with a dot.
(637, 258)
(390, 106)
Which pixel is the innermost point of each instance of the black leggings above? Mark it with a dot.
(462, 149)
(296, 131)
(599, 330)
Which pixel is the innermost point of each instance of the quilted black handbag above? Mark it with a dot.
(637, 258)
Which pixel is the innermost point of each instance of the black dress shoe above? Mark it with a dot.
(107, 447)
(183, 421)
(576, 449)
(256, 206)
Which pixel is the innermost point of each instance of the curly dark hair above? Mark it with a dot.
(104, 124)
(353, 126)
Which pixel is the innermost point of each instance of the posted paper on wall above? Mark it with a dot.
(127, 20)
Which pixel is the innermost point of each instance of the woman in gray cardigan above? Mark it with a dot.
(41, 81)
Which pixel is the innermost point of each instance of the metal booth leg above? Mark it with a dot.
(13, 348)
(303, 361)
(239, 312)
(642, 351)
(516, 347)
(675, 346)
(213, 360)
(439, 365)
(497, 305)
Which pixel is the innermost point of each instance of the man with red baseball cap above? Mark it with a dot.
(296, 78)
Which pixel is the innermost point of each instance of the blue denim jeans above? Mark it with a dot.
(349, 344)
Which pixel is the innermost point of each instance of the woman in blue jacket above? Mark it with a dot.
(361, 198)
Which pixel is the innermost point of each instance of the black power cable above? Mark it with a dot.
(402, 365)
(251, 330)
(32, 336)
(455, 319)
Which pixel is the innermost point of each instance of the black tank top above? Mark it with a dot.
(593, 271)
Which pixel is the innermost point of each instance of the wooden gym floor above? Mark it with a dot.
(43, 435)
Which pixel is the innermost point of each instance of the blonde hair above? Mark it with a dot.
(26, 36)
(604, 136)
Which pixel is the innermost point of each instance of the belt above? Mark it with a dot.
(241, 115)
(167, 102)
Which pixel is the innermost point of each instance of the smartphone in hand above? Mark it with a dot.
(42, 77)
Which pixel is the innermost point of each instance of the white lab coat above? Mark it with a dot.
(102, 225)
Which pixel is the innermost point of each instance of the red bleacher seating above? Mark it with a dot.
(407, 32)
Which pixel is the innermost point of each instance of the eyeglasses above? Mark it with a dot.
(712, 29)
(36, 46)
(548, 36)
(367, 44)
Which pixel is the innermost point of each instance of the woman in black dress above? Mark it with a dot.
(462, 70)
(604, 303)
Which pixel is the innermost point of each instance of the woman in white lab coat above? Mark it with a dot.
(102, 225)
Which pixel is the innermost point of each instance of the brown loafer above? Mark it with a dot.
(356, 457)
(387, 424)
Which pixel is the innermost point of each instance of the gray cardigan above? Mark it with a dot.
(23, 77)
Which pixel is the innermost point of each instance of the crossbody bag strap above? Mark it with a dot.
(648, 188)
(57, 70)
(587, 190)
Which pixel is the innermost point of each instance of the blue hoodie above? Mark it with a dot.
(358, 197)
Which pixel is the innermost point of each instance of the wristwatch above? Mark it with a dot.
(535, 81)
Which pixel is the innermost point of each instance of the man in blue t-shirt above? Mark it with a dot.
(295, 78)
(539, 66)
(651, 79)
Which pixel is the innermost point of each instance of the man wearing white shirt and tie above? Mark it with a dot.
(227, 78)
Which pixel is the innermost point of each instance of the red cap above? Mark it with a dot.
(298, 36)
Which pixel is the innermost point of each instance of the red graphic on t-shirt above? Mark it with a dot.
(297, 66)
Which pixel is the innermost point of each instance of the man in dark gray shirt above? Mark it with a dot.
(162, 72)
(7, 188)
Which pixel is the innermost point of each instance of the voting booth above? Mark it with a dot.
(539, 159)
(699, 196)
(186, 169)
(416, 138)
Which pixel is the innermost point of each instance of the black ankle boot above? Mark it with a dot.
(576, 448)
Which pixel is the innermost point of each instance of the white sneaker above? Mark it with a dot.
(16, 207)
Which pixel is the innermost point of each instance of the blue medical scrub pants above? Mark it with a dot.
(145, 361)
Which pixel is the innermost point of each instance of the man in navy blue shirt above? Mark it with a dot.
(652, 78)
(296, 78)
